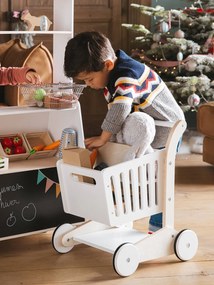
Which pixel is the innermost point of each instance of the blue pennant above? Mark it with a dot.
(40, 177)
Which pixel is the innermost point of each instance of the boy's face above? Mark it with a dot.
(96, 79)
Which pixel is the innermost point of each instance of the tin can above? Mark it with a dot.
(68, 139)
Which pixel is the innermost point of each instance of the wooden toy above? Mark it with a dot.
(42, 21)
(120, 194)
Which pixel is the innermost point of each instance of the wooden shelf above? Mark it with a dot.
(30, 164)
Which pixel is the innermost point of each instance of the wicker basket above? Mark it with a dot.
(54, 96)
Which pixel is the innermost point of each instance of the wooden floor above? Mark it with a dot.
(32, 260)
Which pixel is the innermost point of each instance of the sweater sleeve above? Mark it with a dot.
(115, 117)
(13, 75)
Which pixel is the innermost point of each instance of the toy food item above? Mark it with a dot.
(93, 156)
(17, 141)
(56, 102)
(8, 150)
(38, 147)
(13, 145)
(7, 142)
(52, 146)
(39, 94)
(19, 149)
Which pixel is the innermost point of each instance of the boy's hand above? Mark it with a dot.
(94, 142)
(33, 77)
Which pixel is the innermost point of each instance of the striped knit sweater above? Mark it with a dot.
(133, 86)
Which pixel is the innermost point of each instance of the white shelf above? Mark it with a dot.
(31, 164)
(16, 110)
(33, 119)
(36, 32)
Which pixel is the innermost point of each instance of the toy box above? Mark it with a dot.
(79, 157)
(14, 155)
(39, 138)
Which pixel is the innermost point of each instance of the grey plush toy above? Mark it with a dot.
(138, 131)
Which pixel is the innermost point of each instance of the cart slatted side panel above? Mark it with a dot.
(119, 194)
(135, 187)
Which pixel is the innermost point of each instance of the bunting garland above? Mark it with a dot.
(49, 183)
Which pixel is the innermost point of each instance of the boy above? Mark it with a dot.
(129, 86)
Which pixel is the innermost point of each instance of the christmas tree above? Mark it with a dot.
(180, 47)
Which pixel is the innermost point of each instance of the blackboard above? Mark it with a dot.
(31, 201)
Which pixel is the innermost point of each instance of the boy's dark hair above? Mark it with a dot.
(87, 52)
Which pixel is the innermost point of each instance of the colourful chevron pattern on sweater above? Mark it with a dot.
(132, 82)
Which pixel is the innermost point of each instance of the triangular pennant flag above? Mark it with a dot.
(57, 190)
(49, 183)
(40, 177)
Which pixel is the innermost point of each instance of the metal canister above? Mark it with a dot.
(68, 139)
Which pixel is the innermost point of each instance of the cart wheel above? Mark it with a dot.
(186, 245)
(126, 259)
(57, 236)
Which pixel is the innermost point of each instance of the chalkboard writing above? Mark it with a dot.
(3, 192)
(31, 201)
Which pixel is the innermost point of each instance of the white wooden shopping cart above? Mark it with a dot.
(119, 195)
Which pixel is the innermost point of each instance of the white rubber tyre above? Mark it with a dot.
(126, 259)
(57, 237)
(186, 245)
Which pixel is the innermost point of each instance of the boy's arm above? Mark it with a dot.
(111, 125)
(115, 117)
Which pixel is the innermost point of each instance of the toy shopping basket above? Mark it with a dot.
(119, 195)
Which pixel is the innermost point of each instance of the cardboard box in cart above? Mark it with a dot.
(111, 154)
(79, 157)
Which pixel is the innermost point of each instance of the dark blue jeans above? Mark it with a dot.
(156, 220)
